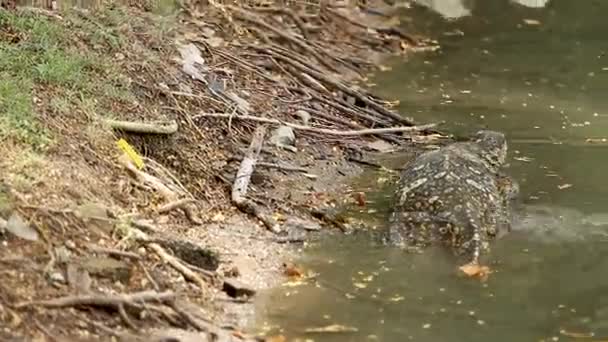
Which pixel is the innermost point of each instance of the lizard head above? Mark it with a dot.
(494, 146)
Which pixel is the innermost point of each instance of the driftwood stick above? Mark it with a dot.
(368, 131)
(243, 176)
(142, 127)
(114, 252)
(101, 300)
(283, 167)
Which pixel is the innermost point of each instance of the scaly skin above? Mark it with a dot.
(456, 196)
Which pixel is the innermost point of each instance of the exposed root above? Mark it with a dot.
(179, 266)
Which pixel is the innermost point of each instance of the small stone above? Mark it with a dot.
(70, 244)
(19, 227)
(304, 116)
(283, 136)
(105, 267)
(57, 277)
(236, 289)
(62, 254)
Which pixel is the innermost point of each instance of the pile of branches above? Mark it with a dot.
(303, 57)
(295, 49)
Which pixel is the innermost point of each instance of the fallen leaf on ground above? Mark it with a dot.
(334, 328)
(475, 270)
(219, 217)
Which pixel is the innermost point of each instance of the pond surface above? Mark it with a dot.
(538, 71)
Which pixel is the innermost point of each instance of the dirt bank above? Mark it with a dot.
(124, 130)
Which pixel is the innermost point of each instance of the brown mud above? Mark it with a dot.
(122, 252)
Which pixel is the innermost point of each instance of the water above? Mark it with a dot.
(536, 70)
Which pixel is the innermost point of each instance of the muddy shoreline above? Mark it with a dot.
(106, 226)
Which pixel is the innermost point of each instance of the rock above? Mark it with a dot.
(19, 227)
(97, 215)
(236, 289)
(57, 277)
(283, 137)
(193, 254)
(92, 210)
(298, 223)
(304, 116)
(105, 267)
(456, 195)
(381, 146)
(78, 279)
(62, 254)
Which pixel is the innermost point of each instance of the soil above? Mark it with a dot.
(102, 232)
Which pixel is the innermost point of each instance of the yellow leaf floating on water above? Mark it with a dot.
(131, 153)
(334, 328)
(564, 186)
(360, 285)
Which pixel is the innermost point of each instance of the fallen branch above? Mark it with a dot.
(144, 178)
(179, 204)
(182, 204)
(142, 127)
(114, 252)
(283, 167)
(368, 131)
(107, 300)
(335, 83)
(178, 265)
(243, 176)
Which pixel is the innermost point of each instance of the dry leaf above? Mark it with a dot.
(396, 298)
(531, 22)
(475, 270)
(360, 198)
(575, 334)
(596, 140)
(334, 328)
(360, 285)
(292, 271)
(219, 217)
(564, 186)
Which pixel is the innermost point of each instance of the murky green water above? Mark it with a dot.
(539, 73)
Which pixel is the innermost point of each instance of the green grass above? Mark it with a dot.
(37, 53)
(17, 118)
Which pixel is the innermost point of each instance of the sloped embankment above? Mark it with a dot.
(125, 134)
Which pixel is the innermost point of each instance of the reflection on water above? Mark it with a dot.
(537, 71)
(453, 9)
